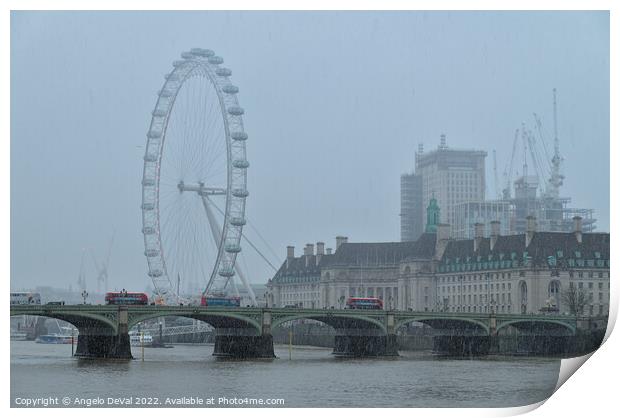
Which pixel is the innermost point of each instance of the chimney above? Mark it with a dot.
(494, 233)
(320, 248)
(577, 228)
(478, 234)
(308, 251)
(530, 229)
(290, 254)
(320, 251)
(441, 240)
(328, 251)
(340, 240)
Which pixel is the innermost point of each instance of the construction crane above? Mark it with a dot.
(557, 179)
(102, 268)
(508, 174)
(536, 159)
(496, 183)
(553, 179)
(539, 129)
(82, 274)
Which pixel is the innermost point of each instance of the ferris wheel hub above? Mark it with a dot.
(201, 189)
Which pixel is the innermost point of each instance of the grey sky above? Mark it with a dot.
(336, 104)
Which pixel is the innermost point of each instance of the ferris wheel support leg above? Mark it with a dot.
(234, 284)
(245, 282)
(215, 228)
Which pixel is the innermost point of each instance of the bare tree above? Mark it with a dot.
(575, 299)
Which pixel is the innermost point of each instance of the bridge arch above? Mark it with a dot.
(80, 320)
(334, 320)
(436, 321)
(570, 327)
(214, 318)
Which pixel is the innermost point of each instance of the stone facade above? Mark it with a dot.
(521, 273)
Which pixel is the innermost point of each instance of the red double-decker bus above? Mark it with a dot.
(364, 303)
(212, 300)
(126, 298)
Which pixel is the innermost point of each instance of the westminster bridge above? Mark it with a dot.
(247, 332)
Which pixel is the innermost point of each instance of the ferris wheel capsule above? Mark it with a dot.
(226, 272)
(241, 164)
(232, 248)
(230, 89)
(223, 72)
(200, 52)
(235, 110)
(153, 134)
(215, 60)
(239, 136)
(237, 221)
(240, 193)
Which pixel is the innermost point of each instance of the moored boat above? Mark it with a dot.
(138, 340)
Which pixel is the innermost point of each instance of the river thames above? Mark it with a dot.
(311, 378)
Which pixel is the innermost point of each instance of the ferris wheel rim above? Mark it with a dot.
(203, 63)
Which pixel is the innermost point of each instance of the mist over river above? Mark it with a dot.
(312, 378)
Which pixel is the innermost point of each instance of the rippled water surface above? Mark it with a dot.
(313, 377)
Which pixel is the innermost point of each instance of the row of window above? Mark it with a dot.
(602, 309)
(487, 276)
(475, 287)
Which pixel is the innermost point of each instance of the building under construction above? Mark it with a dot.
(459, 187)
(451, 176)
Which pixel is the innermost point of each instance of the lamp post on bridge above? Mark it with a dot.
(84, 296)
(493, 304)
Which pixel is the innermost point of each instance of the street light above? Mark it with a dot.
(493, 303)
(84, 295)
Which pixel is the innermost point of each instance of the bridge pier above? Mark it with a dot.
(104, 346)
(244, 346)
(96, 342)
(464, 345)
(244, 343)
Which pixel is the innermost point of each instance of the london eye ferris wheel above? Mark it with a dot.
(194, 178)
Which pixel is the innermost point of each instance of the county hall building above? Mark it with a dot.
(521, 273)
